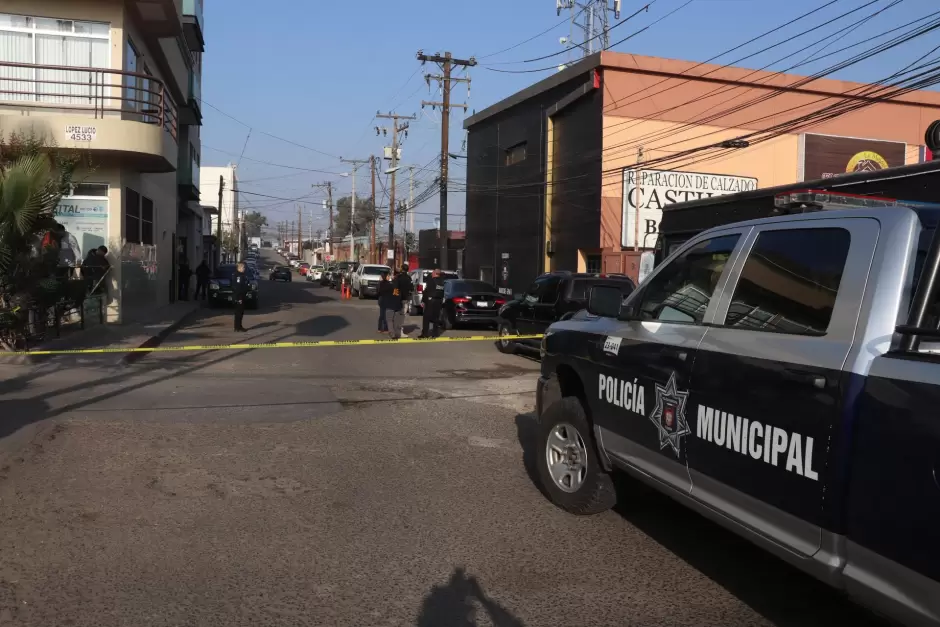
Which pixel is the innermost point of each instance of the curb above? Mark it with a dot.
(157, 339)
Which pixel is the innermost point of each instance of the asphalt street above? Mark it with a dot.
(362, 485)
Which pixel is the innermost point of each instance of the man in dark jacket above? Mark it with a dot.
(202, 280)
(239, 294)
(185, 272)
(431, 301)
(386, 298)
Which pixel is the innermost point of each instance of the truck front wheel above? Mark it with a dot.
(568, 467)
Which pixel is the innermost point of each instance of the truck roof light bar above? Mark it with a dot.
(818, 200)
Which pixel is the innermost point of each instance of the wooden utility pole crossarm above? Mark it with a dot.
(446, 63)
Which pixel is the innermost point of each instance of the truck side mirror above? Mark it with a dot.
(605, 301)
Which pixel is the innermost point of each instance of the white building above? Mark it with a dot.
(209, 177)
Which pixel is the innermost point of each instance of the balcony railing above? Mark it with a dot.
(101, 92)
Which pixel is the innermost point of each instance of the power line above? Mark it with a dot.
(599, 35)
(276, 165)
(271, 135)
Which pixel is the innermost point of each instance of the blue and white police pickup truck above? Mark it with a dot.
(780, 376)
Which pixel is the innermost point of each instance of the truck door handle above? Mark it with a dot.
(805, 378)
(675, 355)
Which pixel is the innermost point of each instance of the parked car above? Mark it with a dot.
(419, 277)
(326, 277)
(550, 298)
(365, 280)
(314, 273)
(776, 376)
(281, 273)
(302, 268)
(467, 301)
(220, 287)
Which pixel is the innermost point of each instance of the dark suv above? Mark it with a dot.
(552, 297)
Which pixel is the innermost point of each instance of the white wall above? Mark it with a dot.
(209, 191)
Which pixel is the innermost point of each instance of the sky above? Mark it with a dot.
(296, 85)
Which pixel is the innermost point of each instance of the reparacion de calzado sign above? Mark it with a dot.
(651, 190)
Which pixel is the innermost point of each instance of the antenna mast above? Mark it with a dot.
(590, 23)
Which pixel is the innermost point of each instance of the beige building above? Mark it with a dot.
(118, 82)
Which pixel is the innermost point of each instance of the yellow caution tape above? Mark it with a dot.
(320, 344)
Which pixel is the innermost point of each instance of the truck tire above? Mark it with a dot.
(506, 346)
(360, 295)
(568, 466)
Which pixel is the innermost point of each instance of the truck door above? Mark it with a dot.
(532, 306)
(646, 362)
(766, 399)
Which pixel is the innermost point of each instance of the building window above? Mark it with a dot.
(132, 61)
(146, 221)
(46, 42)
(592, 264)
(131, 216)
(790, 281)
(516, 153)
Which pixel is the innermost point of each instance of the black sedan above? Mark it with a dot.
(470, 302)
(280, 273)
(220, 287)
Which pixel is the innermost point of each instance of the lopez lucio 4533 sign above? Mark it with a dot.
(789, 451)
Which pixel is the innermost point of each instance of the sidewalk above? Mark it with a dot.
(150, 331)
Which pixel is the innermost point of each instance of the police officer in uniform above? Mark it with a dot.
(239, 293)
(431, 300)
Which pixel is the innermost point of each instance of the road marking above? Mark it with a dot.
(320, 344)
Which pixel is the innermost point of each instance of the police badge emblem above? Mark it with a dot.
(669, 415)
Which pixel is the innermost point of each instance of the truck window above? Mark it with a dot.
(682, 290)
(581, 288)
(549, 291)
(790, 281)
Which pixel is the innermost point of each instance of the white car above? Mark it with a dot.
(365, 280)
(315, 273)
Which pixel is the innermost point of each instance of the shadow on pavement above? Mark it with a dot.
(782, 594)
(321, 326)
(459, 602)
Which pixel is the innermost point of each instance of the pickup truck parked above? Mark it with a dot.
(365, 280)
(551, 297)
(780, 376)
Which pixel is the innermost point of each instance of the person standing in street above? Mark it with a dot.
(431, 301)
(202, 280)
(386, 294)
(239, 293)
(185, 273)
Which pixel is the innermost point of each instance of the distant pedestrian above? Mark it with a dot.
(432, 300)
(239, 293)
(202, 280)
(185, 273)
(386, 295)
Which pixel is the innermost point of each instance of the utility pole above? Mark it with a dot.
(411, 206)
(446, 63)
(218, 224)
(290, 235)
(352, 210)
(375, 214)
(329, 207)
(396, 129)
(300, 231)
